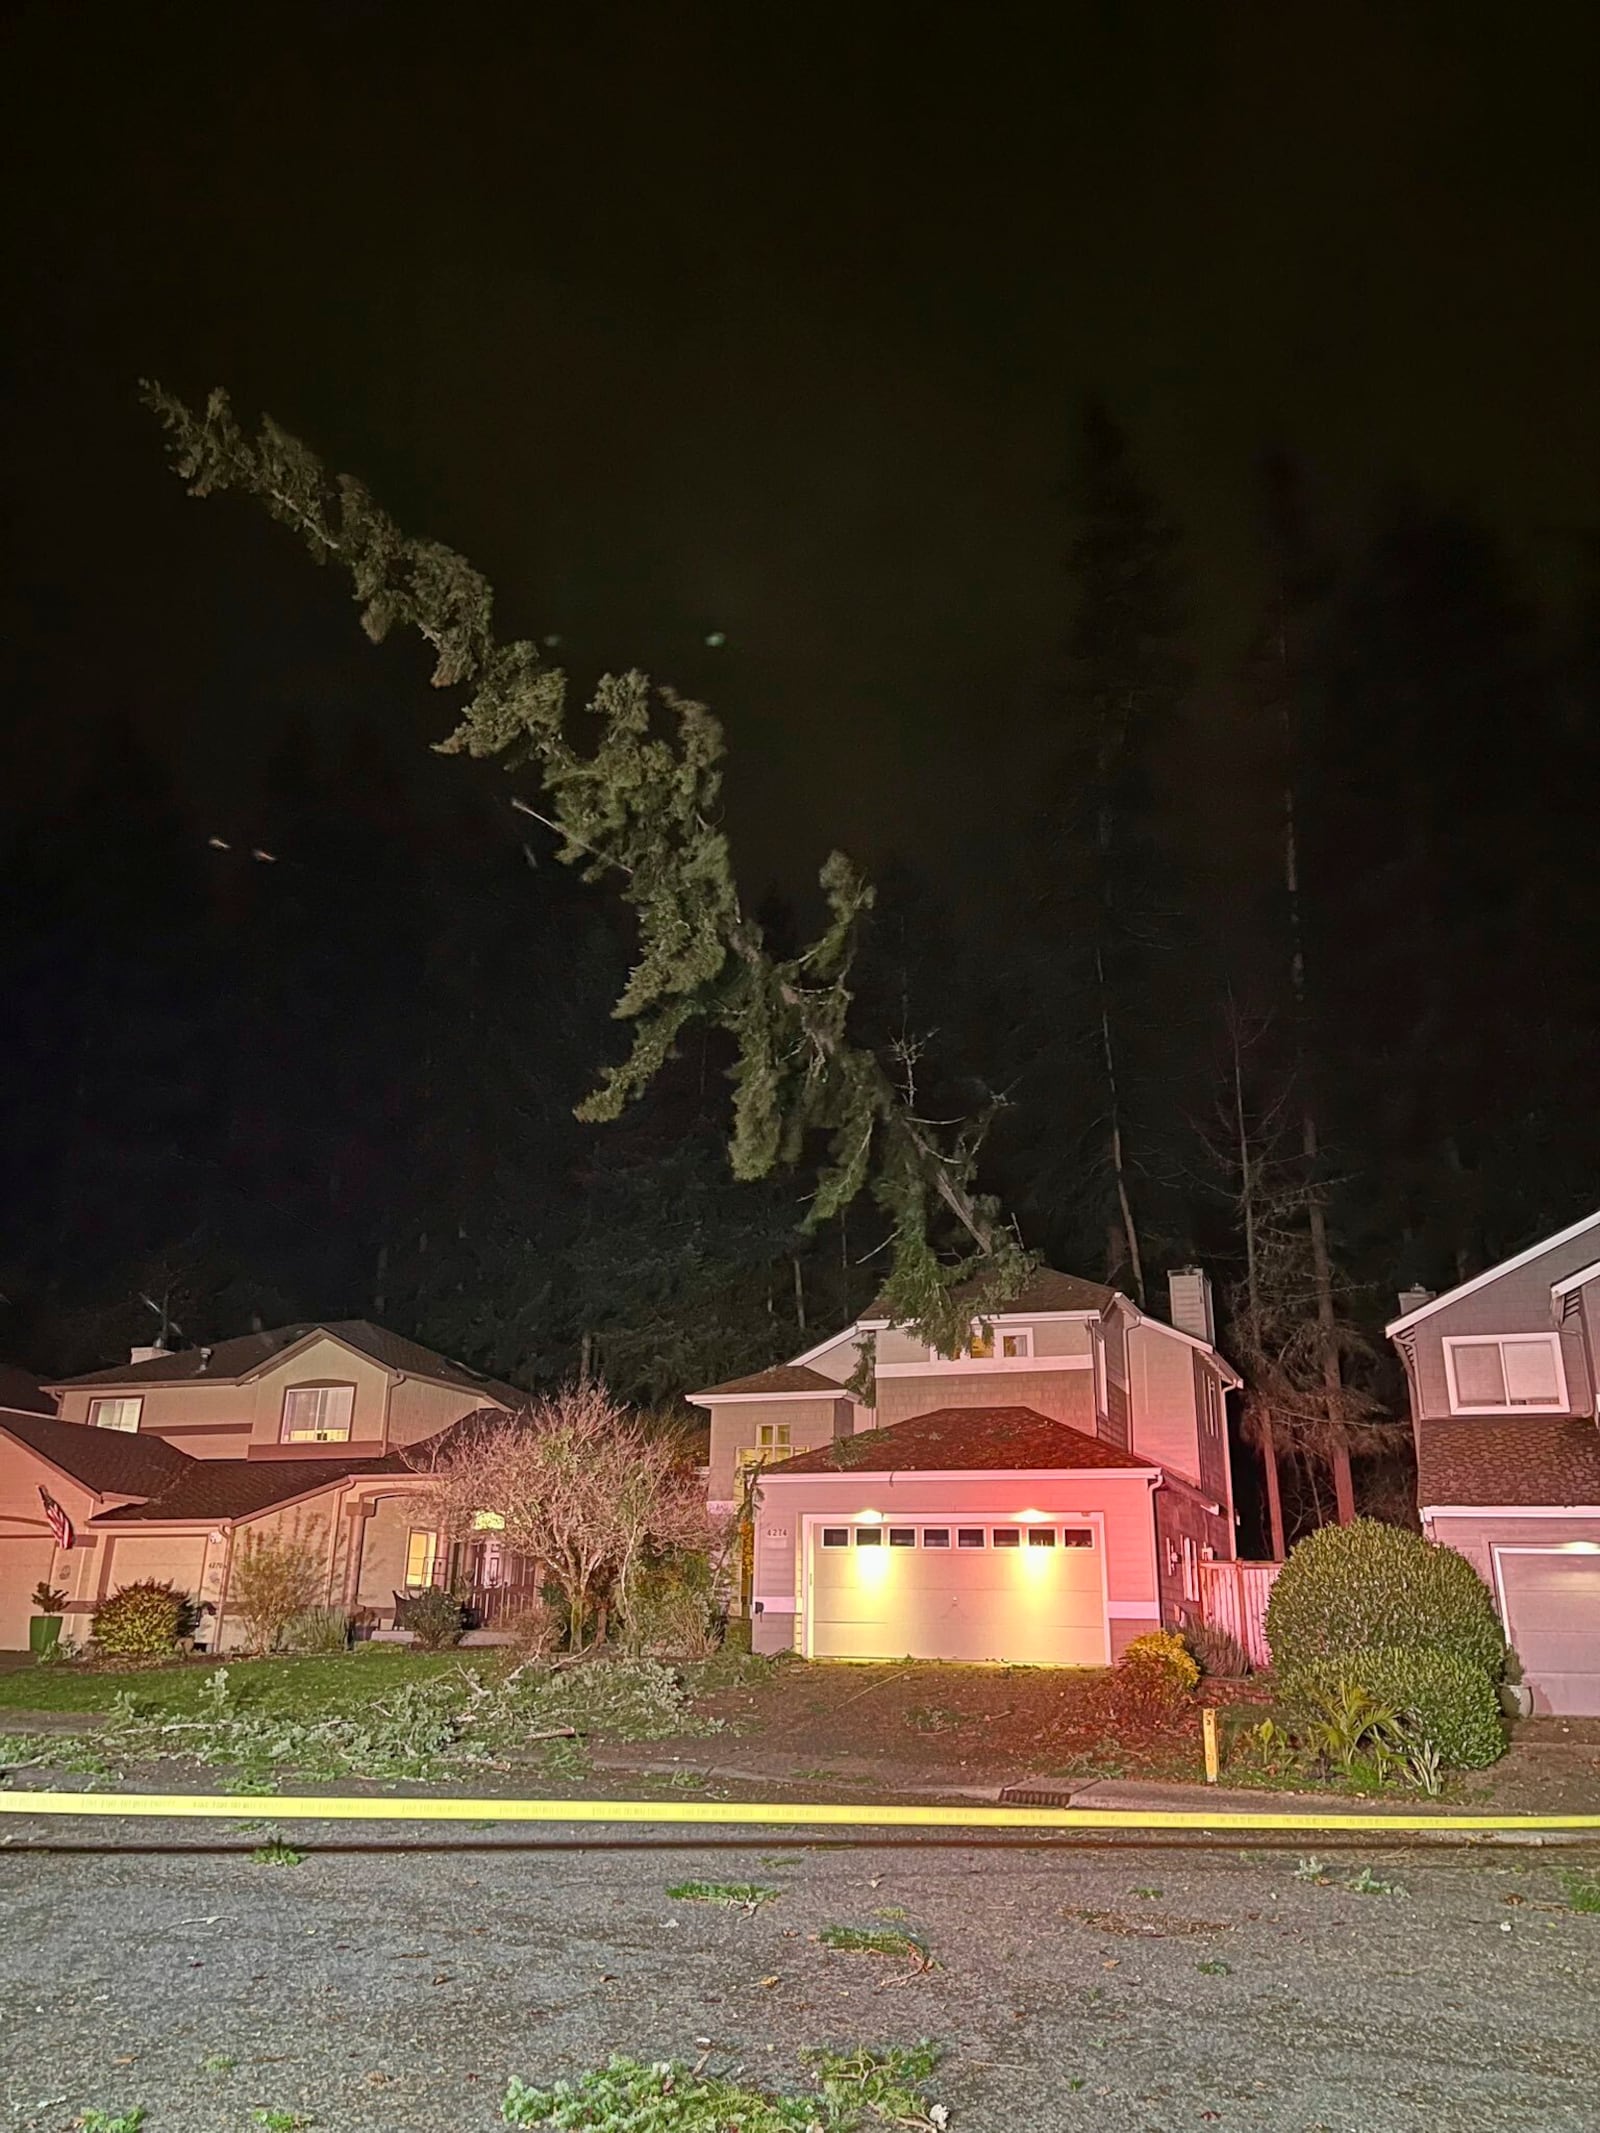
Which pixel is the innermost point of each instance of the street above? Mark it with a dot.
(1136, 1988)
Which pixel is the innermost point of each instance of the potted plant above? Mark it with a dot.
(44, 1631)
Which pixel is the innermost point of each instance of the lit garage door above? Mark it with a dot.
(1553, 1614)
(23, 1562)
(1031, 1595)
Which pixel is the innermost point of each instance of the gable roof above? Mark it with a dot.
(1408, 1319)
(1044, 1290)
(228, 1361)
(20, 1390)
(110, 1462)
(1544, 1460)
(780, 1379)
(243, 1488)
(956, 1439)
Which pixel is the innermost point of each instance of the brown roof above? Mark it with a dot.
(1516, 1459)
(782, 1377)
(230, 1360)
(111, 1462)
(951, 1439)
(241, 1488)
(20, 1389)
(1044, 1290)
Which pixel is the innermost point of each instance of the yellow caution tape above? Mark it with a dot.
(762, 1814)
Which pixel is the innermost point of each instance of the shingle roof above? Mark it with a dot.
(782, 1377)
(229, 1360)
(19, 1389)
(1517, 1459)
(111, 1462)
(1044, 1290)
(951, 1439)
(241, 1488)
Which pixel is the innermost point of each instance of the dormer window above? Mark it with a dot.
(991, 1344)
(318, 1414)
(1013, 1343)
(115, 1414)
(1507, 1374)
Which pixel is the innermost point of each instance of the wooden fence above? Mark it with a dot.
(1233, 1596)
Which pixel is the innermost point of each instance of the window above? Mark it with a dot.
(317, 1414)
(773, 1437)
(1077, 1536)
(1016, 1343)
(115, 1414)
(869, 1536)
(1041, 1536)
(969, 1536)
(1191, 1569)
(1007, 1537)
(902, 1536)
(936, 1536)
(1506, 1374)
(1213, 1400)
(1102, 1399)
(836, 1536)
(422, 1553)
(981, 1345)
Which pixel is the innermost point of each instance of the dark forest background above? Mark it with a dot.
(1310, 930)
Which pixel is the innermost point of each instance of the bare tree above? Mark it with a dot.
(576, 1482)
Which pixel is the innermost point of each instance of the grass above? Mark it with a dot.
(736, 1895)
(887, 1940)
(1582, 1892)
(112, 2121)
(852, 2091)
(291, 1688)
(277, 1854)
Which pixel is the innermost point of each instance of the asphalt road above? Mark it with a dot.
(1134, 1989)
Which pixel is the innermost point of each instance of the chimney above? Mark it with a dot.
(147, 1355)
(1189, 1302)
(1413, 1300)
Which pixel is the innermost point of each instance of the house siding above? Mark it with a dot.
(735, 1425)
(1063, 1395)
(1165, 1399)
(1516, 1302)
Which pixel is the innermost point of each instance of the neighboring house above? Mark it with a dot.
(1503, 1380)
(159, 1467)
(1042, 1498)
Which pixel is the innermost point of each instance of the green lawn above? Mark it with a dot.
(301, 1687)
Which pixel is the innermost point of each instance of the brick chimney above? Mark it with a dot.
(1189, 1302)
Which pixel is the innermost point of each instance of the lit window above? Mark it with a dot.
(1007, 1537)
(1508, 1374)
(773, 1437)
(1077, 1537)
(317, 1414)
(1191, 1569)
(902, 1536)
(969, 1536)
(115, 1414)
(981, 1346)
(869, 1536)
(836, 1536)
(936, 1536)
(1041, 1536)
(1016, 1343)
(422, 1553)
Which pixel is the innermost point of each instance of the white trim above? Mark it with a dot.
(1152, 1475)
(1509, 1510)
(1493, 1273)
(732, 1399)
(1450, 1342)
(822, 1347)
(997, 1318)
(1569, 1282)
(1496, 1551)
(982, 1365)
(1133, 1610)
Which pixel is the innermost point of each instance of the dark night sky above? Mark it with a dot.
(769, 320)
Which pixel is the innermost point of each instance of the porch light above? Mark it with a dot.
(869, 1518)
(1580, 1547)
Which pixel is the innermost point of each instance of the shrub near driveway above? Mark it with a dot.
(1449, 1701)
(1373, 1587)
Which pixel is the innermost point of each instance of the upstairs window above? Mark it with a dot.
(1015, 1342)
(115, 1414)
(1506, 1374)
(773, 1438)
(318, 1414)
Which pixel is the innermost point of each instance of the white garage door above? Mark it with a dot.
(1029, 1595)
(23, 1562)
(1553, 1613)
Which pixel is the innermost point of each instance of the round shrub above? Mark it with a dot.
(1369, 1586)
(1163, 1653)
(1451, 1702)
(435, 1617)
(143, 1619)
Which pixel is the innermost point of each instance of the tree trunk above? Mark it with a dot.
(799, 1297)
(1114, 1122)
(1269, 1463)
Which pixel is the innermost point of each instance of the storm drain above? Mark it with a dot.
(1034, 1796)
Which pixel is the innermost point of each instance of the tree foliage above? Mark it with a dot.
(640, 807)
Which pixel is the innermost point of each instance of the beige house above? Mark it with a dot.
(1041, 1498)
(157, 1468)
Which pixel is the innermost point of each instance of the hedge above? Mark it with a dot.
(1370, 1586)
(1452, 1703)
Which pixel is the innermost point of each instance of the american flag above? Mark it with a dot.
(60, 1524)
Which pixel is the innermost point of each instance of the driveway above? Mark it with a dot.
(1130, 1990)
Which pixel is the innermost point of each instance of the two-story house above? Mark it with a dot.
(159, 1467)
(1505, 1409)
(1041, 1498)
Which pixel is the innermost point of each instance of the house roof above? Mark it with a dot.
(1407, 1319)
(228, 1361)
(951, 1439)
(242, 1488)
(19, 1389)
(1542, 1460)
(781, 1378)
(1044, 1290)
(111, 1462)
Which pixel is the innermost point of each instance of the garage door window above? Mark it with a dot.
(1008, 1537)
(936, 1536)
(1041, 1536)
(1077, 1537)
(902, 1536)
(869, 1536)
(969, 1537)
(836, 1536)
